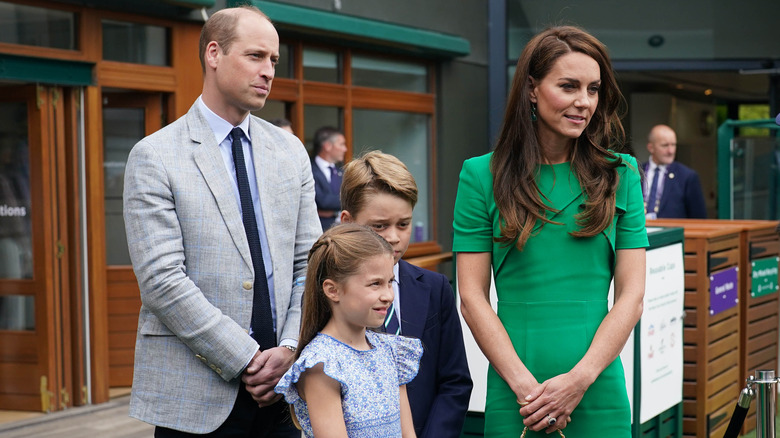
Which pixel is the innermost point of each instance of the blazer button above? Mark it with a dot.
(247, 285)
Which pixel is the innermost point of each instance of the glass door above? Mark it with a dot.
(127, 118)
(756, 185)
(35, 294)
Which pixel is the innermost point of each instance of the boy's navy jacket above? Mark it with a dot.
(439, 395)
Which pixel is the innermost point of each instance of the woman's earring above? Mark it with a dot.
(533, 112)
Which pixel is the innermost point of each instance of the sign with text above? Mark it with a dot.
(661, 332)
(764, 276)
(723, 290)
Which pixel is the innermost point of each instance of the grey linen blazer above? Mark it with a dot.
(191, 257)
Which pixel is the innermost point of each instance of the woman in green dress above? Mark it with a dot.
(558, 215)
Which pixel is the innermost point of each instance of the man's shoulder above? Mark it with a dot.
(681, 169)
(177, 127)
(277, 139)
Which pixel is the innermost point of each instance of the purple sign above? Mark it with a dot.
(723, 290)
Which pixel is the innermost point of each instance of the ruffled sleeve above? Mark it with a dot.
(309, 358)
(407, 353)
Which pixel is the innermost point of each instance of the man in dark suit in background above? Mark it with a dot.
(330, 146)
(677, 192)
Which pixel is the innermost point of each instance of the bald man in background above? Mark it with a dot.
(671, 189)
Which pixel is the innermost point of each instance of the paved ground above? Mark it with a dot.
(107, 420)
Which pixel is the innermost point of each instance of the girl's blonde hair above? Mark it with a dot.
(337, 254)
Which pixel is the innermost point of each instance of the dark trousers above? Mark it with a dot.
(247, 420)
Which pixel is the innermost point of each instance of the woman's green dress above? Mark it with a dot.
(552, 296)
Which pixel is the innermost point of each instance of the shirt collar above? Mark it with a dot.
(323, 165)
(219, 126)
(652, 167)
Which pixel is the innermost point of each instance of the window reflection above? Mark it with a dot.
(39, 27)
(122, 128)
(378, 72)
(321, 65)
(284, 67)
(404, 135)
(17, 312)
(133, 42)
(16, 258)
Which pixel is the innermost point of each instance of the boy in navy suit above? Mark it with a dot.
(378, 191)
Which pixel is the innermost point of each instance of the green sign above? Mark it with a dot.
(764, 276)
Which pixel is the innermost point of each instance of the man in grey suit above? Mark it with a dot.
(220, 247)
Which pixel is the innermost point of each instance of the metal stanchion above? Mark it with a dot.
(764, 389)
(766, 403)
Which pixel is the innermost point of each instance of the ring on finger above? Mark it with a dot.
(550, 420)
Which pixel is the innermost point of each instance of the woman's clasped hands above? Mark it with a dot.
(550, 404)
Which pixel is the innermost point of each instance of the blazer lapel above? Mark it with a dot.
(414, 303)
(267, 166)
(209, 160)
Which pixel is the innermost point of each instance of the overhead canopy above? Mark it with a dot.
(361, 31)
(45, 70)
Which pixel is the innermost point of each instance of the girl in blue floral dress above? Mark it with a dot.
(348, 381)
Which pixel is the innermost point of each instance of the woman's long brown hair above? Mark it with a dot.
(517, 155)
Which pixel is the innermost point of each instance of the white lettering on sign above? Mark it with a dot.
(724, 288)
(764, 272)
(7, 210)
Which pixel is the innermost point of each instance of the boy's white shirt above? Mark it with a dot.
(397, 292)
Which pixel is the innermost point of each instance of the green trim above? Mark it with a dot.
(666, 424)
(725, 182)
(45, 71)
(665, 236)
(362, 30)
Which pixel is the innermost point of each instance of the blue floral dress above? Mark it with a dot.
(369, 381)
